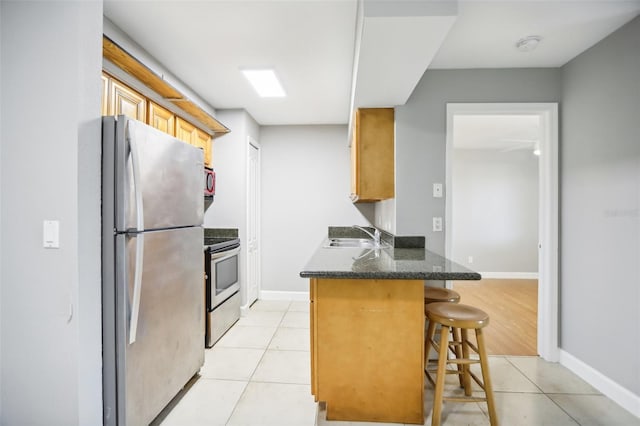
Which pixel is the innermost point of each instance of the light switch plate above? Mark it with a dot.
(51, 234)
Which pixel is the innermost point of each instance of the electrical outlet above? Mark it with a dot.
(437, 224)
(437, 190)
(470, 259)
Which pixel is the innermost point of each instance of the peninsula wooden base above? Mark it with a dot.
(367, 349)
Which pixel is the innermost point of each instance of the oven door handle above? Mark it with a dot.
(223, 254)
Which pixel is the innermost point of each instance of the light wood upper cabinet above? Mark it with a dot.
(372, 155)
(184, 130)
(155, 82)
(203, 140)
(127, 102)
(117, 98)
(161, 118)
(189, 133)
(104, 108)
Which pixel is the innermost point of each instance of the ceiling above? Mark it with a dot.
(485, 33)
(313, 46)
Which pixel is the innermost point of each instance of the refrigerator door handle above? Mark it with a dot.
(137, 280)
(137, 182)
(137, 287)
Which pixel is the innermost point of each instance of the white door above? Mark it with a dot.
(253, 225)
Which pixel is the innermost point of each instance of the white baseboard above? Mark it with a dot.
(617, 393)
(511, 275)
(301, 296)
(244, 310)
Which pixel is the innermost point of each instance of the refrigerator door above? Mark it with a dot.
(158, 179)
(169, 346)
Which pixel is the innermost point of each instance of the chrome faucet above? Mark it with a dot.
(375, 236)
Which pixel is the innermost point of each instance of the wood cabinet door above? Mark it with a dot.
(184, 130)
(368, 345)
(104, 107)
(372, 155)
(203, 141)
(189, 133)
(118, 98)
(126, 101)
(161, 118)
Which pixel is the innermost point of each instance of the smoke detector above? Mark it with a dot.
(527, 44)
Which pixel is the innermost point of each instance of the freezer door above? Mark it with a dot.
(158, 179)
(169, 345)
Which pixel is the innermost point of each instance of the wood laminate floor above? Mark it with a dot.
(512, 306)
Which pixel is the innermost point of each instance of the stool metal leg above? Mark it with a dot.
(486, 378)
(442, 365)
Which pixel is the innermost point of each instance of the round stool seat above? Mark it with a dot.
(457, 315)
(439, 294)
(454, 318)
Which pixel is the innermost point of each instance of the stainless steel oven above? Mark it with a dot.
(222, 292)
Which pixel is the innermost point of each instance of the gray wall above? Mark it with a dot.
(229, 209)
(421, 134)
(1, 211)
(600, 207)
(495, 210)
(305, 187)
(50, 163)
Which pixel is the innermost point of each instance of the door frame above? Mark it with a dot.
(251, 142)
(547, 208)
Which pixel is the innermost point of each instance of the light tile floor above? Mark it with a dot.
(258, 375)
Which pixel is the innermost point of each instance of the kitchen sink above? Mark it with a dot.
(353, 243)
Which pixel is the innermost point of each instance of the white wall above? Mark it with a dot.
(229, 208)
(495, 210)
(385, 215)
(50, 340)
(600, 215)
(305, 189)
(421, 134)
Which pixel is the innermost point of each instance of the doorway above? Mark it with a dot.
(541, 239)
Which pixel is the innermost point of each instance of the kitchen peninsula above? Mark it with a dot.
(367, 328)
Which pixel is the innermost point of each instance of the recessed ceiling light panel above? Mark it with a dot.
(527, 44)
(265, 82)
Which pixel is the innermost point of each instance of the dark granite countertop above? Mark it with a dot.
(386, 263)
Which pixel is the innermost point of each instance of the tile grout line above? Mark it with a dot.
(258, 363)
(280, 326)
(524, 374)
(561, 408)
(543, 392)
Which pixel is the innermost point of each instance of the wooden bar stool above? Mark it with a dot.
(439, 294)
(463, 317)
(435, 295)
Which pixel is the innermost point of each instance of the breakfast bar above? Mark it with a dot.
(367, 328)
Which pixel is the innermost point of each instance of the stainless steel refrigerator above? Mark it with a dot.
(153, 269)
